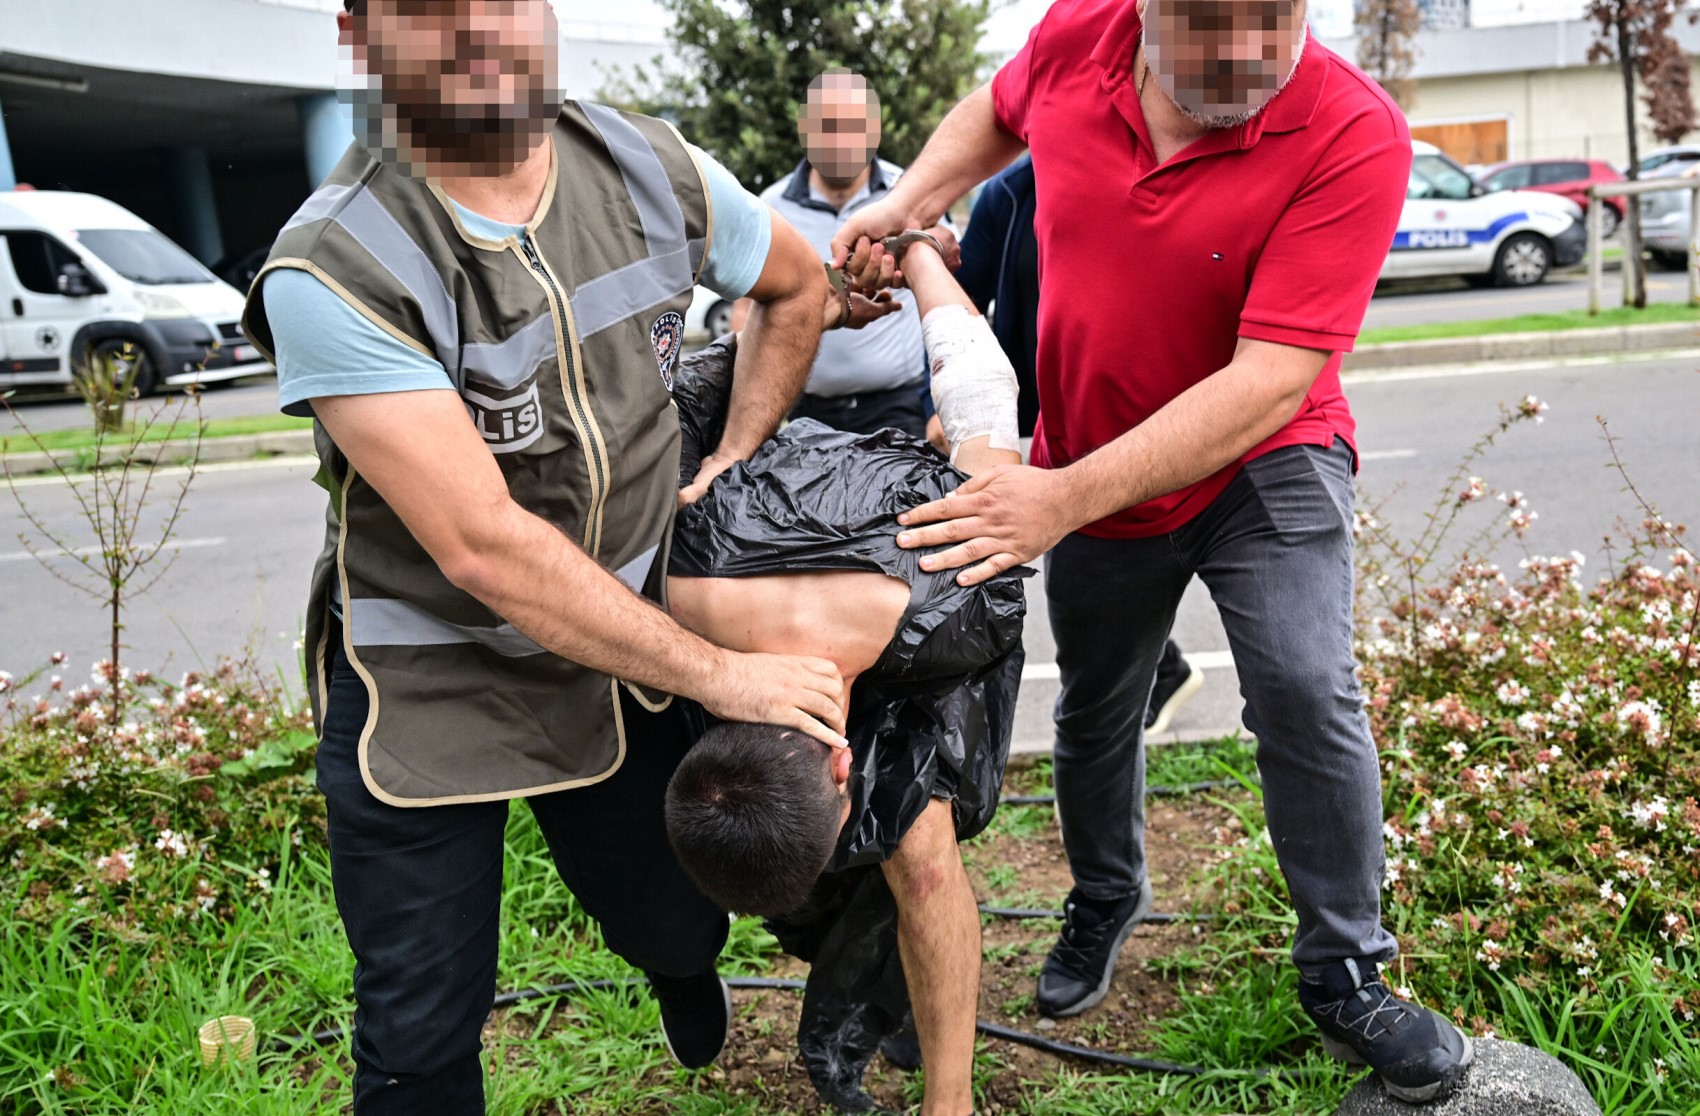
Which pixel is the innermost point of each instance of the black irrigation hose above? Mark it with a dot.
(992, 1030)
(1040, 912)
(1158, 791)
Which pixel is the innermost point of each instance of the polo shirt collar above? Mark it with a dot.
(1291, 109)
(798, 191)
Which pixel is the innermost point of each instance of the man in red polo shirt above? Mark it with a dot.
(1216, 194)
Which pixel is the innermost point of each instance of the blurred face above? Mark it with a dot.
(454, 87)
(1221, 61)
(840, 127)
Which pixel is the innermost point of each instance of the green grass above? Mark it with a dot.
(1657, 313)
(84, 439)
(97, 1024)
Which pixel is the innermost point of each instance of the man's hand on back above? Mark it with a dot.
(998, 519)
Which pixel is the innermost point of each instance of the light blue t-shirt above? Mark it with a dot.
(325, 347)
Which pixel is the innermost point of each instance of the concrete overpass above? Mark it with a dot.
(213, 119)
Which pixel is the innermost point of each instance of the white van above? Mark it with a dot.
(1452, 226)
(83, 277)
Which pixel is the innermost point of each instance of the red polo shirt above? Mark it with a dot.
(1148, 275)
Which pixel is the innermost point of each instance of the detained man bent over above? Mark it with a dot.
(758, 812)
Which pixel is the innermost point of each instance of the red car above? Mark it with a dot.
(1568, 177)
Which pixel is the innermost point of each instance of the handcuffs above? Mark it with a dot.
(840, 282)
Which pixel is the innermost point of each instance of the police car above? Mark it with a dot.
(1452, 226)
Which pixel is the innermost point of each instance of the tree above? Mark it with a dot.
(1670, 99)
(741, 68)
(1387, 47)
(1636, 34)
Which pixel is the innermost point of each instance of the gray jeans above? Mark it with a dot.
(1275, 551)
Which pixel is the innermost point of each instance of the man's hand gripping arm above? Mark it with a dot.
(776, 348)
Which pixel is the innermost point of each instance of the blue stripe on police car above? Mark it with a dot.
(1409, 240)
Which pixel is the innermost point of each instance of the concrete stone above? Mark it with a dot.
(1507, 1079)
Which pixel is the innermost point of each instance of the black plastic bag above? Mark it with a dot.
(932, 719)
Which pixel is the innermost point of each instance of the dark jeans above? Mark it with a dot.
(898, 409)
(1275, 551)
(420, 889)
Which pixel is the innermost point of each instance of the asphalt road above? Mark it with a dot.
(1398, 304)
(248, 537)
(1451, 300)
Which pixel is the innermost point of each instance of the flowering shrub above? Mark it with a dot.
(1540, 739)
(181, 810)
(1542, 763)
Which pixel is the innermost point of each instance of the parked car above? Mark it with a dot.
(1568, 178)
(1666, 225)
(1663, 156)
(82, 277)
(709, 317)
(1451, 225)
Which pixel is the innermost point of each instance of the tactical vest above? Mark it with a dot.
(563, 352)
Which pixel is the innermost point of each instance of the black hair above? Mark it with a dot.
(753, 816)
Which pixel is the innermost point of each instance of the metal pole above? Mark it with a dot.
(1631, 248)
(1596, 252)
(1694, 245)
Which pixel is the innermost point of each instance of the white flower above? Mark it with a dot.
(40, 818)
(1512, 692)
(172, 844)
(1651, 814)
(1456, 749)
(1644, 717)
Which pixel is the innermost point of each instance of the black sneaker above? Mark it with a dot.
(696, 1014)
(1418, 1055)
(903, 1049)
(1078, 971)
(1177, 681)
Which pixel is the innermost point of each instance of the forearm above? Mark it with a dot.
(776, 348)
(1209, 426)
(938, 934)
(974, 386)
(968, 147)
(538, 580)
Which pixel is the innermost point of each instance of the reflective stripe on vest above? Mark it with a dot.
(672, 262)
(364, 218)
(387, 622)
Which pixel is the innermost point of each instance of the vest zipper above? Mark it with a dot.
(581, 408)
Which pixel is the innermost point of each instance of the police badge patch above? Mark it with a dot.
(667, 337)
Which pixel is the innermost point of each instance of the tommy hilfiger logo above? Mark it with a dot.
(667, 338)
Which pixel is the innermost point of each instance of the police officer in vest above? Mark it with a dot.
(482, 309)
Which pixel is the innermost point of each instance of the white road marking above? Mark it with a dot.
(287, 460)
(1386, 455)
(1495, 367)
(1203, 660)
(92, 551)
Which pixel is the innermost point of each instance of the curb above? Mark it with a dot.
(240, 447)
(1611, 341)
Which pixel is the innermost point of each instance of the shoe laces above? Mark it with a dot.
(1374, 1011)
(1079, 939)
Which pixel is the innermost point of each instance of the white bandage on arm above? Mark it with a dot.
(974, 385)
